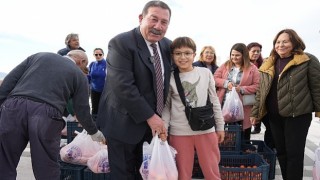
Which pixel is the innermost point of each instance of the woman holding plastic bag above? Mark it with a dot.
(238, 73)
(198, 89)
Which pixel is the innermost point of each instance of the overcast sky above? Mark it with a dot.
(31, 26)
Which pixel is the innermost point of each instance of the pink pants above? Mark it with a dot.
(206, 146)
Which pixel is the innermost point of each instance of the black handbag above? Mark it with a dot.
(199, 118)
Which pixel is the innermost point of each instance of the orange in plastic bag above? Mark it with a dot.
(232, 109)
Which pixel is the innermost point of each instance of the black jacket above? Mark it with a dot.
(202, 64)
(64, 51)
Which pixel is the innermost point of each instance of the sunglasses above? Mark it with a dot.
(98, 54)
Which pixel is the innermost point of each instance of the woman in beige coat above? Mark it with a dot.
(289, 92)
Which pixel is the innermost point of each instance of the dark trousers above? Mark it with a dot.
(125, 159)
(246, 135)
(95, 99)
(23, 121)
(257, 127)
(268, 139)
(289, 135)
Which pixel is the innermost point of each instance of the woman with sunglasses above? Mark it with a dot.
(96, 77)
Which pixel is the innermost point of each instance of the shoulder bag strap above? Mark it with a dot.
(179, 86)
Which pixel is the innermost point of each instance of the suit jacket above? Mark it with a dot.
(129, 97)
(249, 83)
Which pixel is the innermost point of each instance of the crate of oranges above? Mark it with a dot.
(258, 146)
(244, 167)
(232, 139)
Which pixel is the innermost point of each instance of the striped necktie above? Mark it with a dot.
(159, 80)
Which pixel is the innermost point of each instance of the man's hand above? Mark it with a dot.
(156, 124)
(220, 135)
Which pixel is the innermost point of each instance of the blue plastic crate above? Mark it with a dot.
(71, 171)
(232, 139)
(71, 128)
(244, 166)
(258, 146)
(197, 172)
(89, 175)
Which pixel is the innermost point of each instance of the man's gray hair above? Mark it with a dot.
(155, 3)
(69, 37)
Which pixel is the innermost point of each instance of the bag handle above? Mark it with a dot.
(180, 88)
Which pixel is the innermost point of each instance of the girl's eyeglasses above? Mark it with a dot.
(186, 54)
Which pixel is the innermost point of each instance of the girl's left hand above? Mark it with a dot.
(163, 136)
(220, 135)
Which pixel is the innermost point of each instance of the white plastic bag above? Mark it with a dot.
(99, 163)
(162, 164)
(316, 166)
(146, 154)
(232, 109)
(80, 149)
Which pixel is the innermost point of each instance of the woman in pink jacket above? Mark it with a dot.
(238, 72)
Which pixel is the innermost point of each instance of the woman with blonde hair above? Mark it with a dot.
(208, 59)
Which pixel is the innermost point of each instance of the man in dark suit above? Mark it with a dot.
(128, 107)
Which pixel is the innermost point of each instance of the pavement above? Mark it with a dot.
(24, 168)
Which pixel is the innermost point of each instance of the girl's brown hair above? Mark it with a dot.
(183, 42)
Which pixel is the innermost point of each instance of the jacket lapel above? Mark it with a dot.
(143, 50)
(145, 57)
